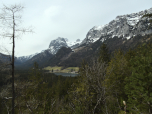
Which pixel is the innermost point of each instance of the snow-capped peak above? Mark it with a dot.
(25, 58)
(125, 26)
(56, 44)
(70, 44)
(98, 27)
(59, 42)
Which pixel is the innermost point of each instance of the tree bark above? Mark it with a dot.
(13, 92)
(11, 19)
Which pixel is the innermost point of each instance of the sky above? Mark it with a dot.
(70, 19)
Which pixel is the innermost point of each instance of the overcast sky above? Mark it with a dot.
(70, 19)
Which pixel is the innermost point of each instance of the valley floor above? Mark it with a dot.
(57, 69)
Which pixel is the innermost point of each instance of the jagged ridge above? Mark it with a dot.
(125, 25)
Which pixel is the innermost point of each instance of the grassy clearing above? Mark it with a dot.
(54, 68)
(59, 69)
(73, 68)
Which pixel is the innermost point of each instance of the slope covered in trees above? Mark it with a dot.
(116, 83)
(101, 87)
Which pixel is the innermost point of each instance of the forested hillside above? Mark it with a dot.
(116, 85)
(114, 67)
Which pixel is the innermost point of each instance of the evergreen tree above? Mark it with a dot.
(138, 85)
(104, 54)
(116, 73)
(32, 94)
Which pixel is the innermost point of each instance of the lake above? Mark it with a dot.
(66, 74)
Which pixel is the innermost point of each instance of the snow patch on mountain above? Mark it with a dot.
(98, 27)
(124, 25)
(60, 42)
(25, 58)
(70, 44)
(93, 35)
(56, 44)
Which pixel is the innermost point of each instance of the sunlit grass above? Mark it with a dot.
(60, 69)
(54, 68)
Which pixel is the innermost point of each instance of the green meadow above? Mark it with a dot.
(62, 69)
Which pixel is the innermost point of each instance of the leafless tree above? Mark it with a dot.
(11, 19)
(94, 92)
(96, 74)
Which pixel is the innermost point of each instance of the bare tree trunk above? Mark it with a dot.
(11, 20)
(13, 92)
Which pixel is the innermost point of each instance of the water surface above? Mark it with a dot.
(66, 74)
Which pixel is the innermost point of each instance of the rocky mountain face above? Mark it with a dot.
(74, 44)
(124, 32)
(126, 26)
(54, 46)
(40, 58)
(63, 54)
(58, 43)
(76, 57)
(22, 59)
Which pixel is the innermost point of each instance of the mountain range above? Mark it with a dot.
(54, 46)
(125, 31)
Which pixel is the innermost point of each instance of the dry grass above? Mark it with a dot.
(58, 69)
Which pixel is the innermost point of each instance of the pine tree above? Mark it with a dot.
(104, 54)
(138, 85)
(116, 73)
